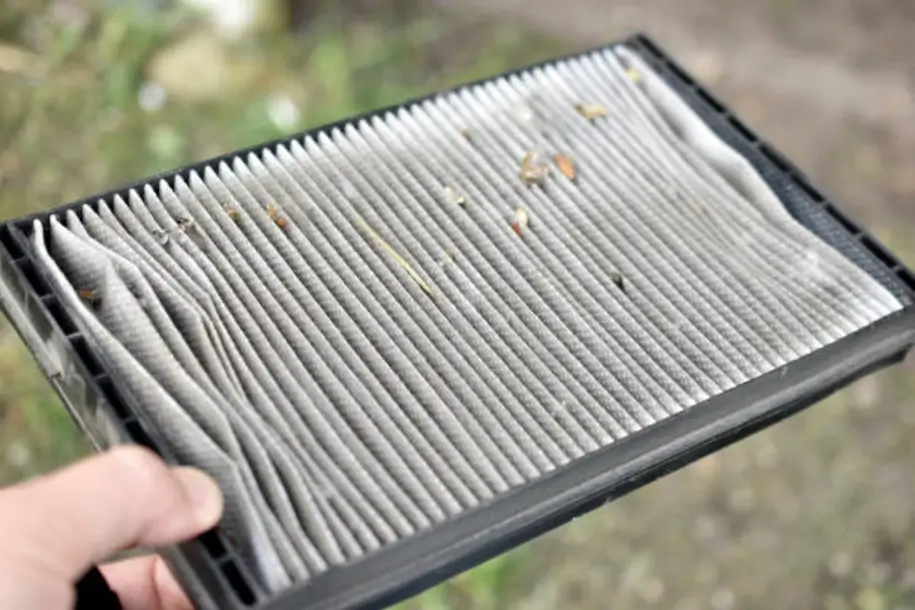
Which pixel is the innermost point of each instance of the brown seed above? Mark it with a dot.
(566, 166)
(274, 214)
(591, 111)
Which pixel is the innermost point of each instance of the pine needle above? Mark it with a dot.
(401, 261)
(520, 222)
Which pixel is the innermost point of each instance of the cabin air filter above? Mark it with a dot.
(408, 341)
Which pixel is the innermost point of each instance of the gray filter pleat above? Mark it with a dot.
(366, 332)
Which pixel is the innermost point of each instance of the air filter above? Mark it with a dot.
(406, 342)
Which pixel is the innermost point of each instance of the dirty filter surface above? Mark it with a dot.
(363, 333)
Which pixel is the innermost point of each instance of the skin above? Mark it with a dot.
(53, 528)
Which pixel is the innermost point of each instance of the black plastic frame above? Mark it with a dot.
(213, 573)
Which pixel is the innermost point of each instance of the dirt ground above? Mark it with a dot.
(819, 511)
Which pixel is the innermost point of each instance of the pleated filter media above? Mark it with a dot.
(367, 332)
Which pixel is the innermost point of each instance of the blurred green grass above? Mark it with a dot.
(93, 98)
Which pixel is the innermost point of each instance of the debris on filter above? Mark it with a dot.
(274, 213)
(591, 111)
(90, 296)
(454, 197)
(465, 133)
(161, 236)
(185, 224)
(449, 255)
(617, 278)
(524, 113)
(520, 221)
(633, 75)
(566, 166)
(532, 172)
(404, 263)
(232, 213)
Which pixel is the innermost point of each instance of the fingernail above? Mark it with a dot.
(202, 493)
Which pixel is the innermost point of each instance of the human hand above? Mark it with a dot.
(54, 528)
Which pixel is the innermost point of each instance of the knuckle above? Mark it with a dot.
(137, 458)
(148, 480)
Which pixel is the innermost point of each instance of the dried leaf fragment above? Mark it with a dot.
(520, 222)
(401, 261)
(454, 196)
(185, 224)
(161, 236)
(566, 166)
(532, 172)
(591, 111)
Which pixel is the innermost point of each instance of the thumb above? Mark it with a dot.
(78, 516)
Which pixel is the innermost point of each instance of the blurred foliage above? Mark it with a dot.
(486, 587)
(109, 96)
(98, 94)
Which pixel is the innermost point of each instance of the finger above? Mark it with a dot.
(126, 497)
(145, 583)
